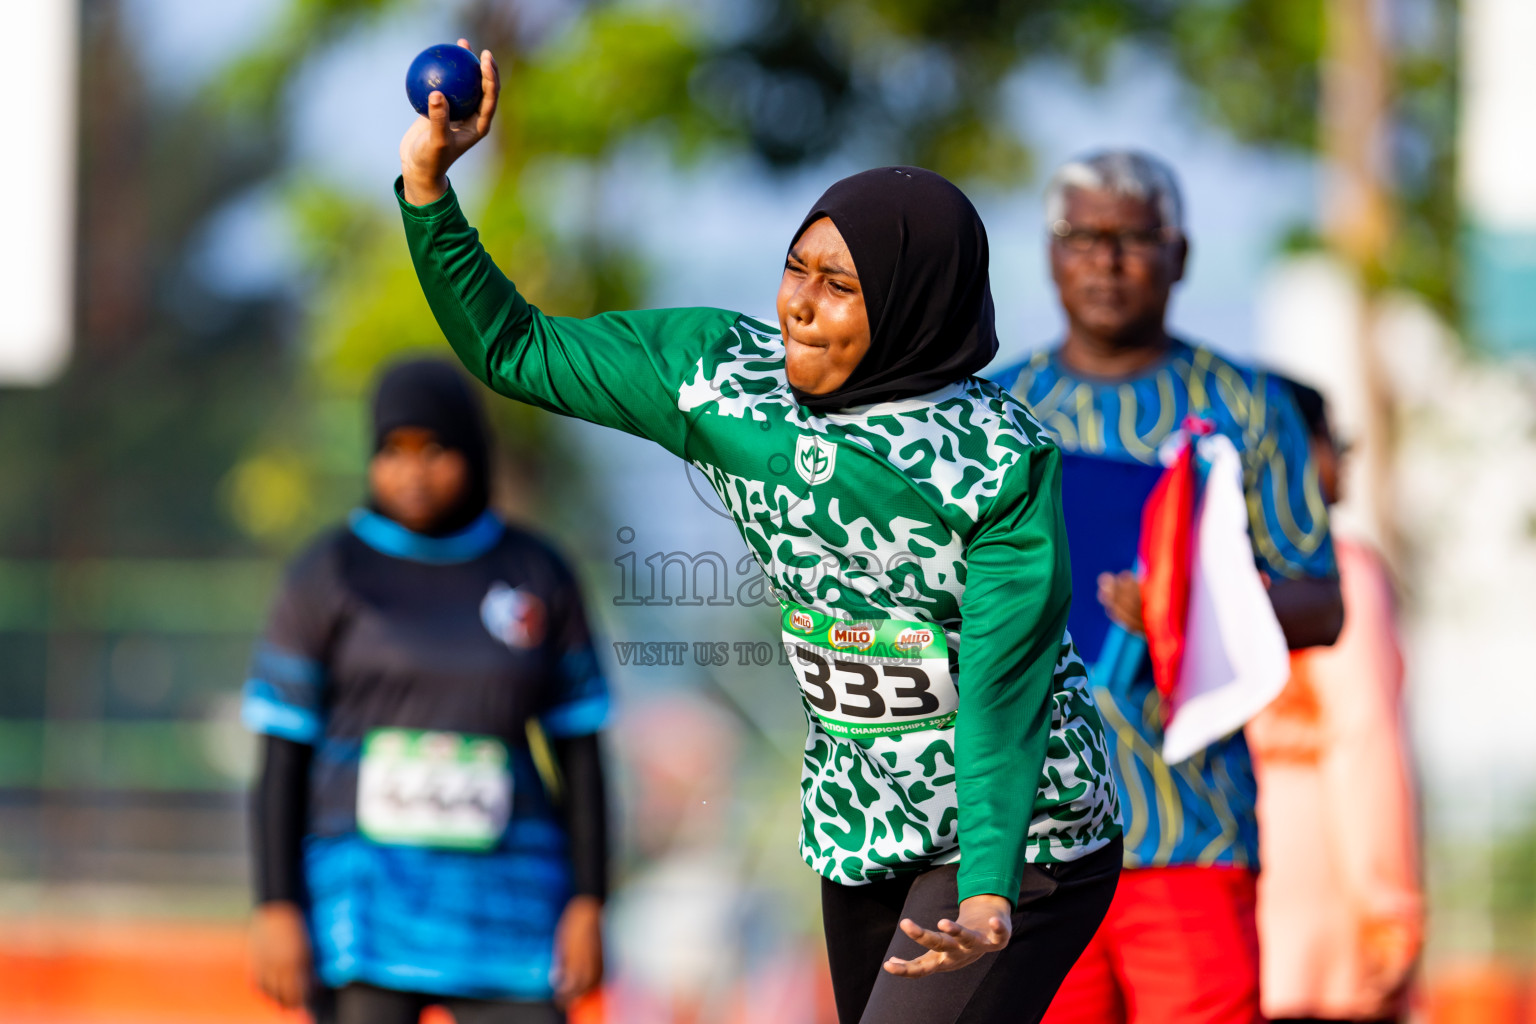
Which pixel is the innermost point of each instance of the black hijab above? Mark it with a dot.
(432, 395)
(920, 251)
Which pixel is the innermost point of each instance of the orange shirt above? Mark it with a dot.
(1340, 901)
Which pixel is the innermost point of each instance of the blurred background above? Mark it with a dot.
(203, 266)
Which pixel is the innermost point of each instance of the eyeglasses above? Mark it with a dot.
(1140, 242)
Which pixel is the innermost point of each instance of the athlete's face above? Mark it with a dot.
(821, 311)
(415, 480)
(1116, 265)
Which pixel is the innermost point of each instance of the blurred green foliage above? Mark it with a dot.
(279, 429)
(1512, 886)
(279, 438)
(792, 82)
(1481, 877)
(796, 81)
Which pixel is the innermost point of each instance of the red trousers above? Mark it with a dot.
(1179, 946)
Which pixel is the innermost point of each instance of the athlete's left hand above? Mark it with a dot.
(984, 925)
(578, 949)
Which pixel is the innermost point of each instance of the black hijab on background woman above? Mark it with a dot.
(429, 394)
(920, 250)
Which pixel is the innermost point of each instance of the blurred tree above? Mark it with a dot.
(797, 81)
(112, 541)
(104, 462)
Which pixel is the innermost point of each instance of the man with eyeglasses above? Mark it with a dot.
(1179, 945)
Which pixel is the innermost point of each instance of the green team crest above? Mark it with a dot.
(815, 458)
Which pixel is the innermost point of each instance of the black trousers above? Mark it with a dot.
(1058, 909)
(367, 1004)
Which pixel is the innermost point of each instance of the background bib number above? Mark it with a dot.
(871, 679)
(435, 789)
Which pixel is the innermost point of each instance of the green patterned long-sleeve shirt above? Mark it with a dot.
(915, 547)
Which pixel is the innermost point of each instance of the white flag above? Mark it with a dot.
(1235, 656)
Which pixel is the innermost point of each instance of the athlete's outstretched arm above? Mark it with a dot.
(1014, 615)
(1018, 590)
(620, 370)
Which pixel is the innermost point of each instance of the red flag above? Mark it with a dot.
(1167, 532)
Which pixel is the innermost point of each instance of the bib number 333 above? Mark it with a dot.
(866, 679)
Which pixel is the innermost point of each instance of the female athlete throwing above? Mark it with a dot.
(956, 797)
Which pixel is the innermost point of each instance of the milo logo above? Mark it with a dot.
(802, 621)
(914, 639)
(851, 636)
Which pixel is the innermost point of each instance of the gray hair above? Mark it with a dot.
(1121, 172)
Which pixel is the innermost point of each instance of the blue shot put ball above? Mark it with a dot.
(450, 70)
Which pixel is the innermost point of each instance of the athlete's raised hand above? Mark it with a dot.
(984, 925)
(432, 143)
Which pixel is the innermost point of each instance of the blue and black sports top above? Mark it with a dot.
(381, 631)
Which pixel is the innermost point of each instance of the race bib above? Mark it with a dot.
(435, 789)
(866, 679)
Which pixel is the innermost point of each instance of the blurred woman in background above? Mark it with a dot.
(1340, 906)
(429, 820)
